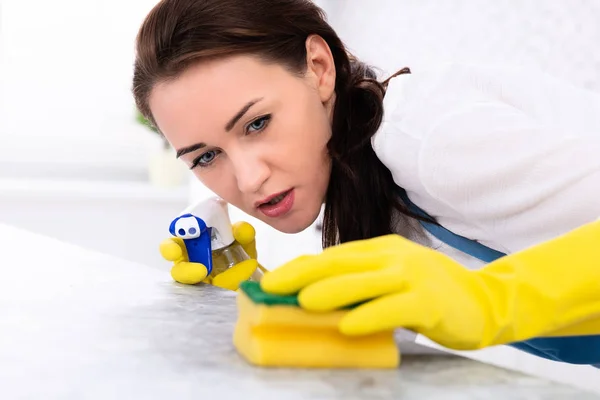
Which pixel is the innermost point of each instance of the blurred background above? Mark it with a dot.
(75, 163)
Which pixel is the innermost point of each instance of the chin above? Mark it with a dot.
(294, 223)
(290, 227)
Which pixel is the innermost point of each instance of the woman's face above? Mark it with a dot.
(254, 133)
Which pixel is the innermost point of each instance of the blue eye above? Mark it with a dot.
(181, 232)
(258, 124)
(205, 159)
(208, 156)
(192, 231)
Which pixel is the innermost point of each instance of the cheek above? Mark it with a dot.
(307, 132)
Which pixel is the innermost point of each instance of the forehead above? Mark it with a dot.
(213, 91)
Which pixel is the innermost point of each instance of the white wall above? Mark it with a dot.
(556, 36)
(65, 101)
(73, 161)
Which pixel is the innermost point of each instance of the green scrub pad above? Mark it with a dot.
(256, 294)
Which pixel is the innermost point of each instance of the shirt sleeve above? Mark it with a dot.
(520, 180)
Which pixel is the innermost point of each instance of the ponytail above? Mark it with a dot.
(362, 195)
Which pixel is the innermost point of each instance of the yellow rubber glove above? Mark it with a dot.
(183, 271)
(548, 290)
(245, 235)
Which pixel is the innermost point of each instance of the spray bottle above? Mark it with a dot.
(207, 232)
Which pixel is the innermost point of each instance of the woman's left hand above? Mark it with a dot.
(402, 284)
(245, 234)
(190, 273)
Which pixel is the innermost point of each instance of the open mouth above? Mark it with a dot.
(275, 200)
(279, 205)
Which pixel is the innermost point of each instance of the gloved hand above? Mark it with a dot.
(548, 290)
(186, 272)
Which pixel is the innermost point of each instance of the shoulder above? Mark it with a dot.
(415, 102)
(454, 111)
(415, 107)
(495, 152)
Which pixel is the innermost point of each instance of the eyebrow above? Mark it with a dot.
(190, 149)
(240, 114)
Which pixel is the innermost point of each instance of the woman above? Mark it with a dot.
(421, 175)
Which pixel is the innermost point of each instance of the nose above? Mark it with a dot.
(251, 171)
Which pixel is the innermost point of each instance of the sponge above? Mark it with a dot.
(273, 331)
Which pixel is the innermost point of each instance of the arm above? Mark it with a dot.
(550, 289)
(523, 183)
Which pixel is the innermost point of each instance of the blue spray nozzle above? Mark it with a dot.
(196, 236)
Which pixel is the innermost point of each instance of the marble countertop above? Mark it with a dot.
(75, 324)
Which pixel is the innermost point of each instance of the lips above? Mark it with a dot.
(272, 199)
(278, 204)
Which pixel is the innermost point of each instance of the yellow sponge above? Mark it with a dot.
(274, 331)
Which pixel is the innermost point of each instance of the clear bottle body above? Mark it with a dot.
(226, 257)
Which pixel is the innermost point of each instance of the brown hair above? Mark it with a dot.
(362, 195)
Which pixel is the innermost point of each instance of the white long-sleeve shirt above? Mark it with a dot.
(503, 156)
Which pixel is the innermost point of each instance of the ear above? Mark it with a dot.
(321, 67)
